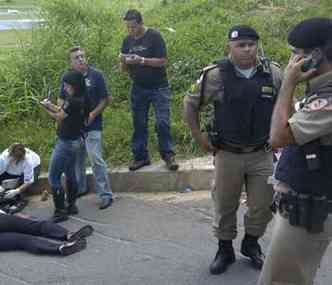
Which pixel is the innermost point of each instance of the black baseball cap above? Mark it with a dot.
(241, 32)
(311, 33)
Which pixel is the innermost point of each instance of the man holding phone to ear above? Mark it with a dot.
(143, 55)
(303, 229)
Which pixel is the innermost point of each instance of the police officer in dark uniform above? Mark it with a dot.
(303, 229)
(241, 91)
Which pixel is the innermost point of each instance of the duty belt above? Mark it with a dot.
(245, 149)
(280, 202)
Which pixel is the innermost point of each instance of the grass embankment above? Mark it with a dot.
(200, 37)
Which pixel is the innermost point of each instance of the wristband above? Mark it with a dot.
(142, 60)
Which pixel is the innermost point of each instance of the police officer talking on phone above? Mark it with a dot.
(242, 90)
(303, 229)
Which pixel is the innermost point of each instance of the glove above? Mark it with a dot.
(11, 193)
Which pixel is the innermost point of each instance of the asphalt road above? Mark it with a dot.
(143, 239)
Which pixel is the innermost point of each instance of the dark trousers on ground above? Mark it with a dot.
(17, 233)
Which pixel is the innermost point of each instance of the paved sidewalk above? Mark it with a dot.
(143, 239)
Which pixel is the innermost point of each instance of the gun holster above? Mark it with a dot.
(307, 211)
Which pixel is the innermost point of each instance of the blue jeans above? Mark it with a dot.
(63, 161)
(93, 147)
(141, 99)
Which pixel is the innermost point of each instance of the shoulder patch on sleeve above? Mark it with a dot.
(317, 104)
(195, 87)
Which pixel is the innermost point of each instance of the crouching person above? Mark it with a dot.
(71, 117)
(19, 169)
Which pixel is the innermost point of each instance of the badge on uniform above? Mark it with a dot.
(194, 88)
(267, 89)
(87, 82)
(234, 34)
(267, 92)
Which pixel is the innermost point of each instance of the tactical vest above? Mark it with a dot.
(293, 170)
(243, 114)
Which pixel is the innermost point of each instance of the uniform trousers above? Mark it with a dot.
(294, 254)
(17, 233)
(234, 170)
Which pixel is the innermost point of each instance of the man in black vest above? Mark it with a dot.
(242, 90)
(303, 229)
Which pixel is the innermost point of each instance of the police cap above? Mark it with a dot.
(311, 33)
(241, 32)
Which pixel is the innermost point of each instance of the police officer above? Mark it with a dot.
(242, 90)
(303, 229)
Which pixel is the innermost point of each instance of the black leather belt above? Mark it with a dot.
(247, 149)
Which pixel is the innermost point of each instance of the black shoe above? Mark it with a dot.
(69, 248)
(105, 203)
(137, 164)
(72, 210)
(81, 233)
(251, 248)
(225, 257)
(59, 216)
(171, 163)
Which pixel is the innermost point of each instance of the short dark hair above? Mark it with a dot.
(76, 80)
(74, 49)
(17, 151)
(133, 14)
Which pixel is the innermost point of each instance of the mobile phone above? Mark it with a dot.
(127, 55)
(312, 60)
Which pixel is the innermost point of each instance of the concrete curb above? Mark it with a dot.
(195, 174)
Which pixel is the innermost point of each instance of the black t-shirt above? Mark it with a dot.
(72, 126)
(150, 45)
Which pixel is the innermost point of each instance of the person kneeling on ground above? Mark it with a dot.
(40, 237)
(19, 169)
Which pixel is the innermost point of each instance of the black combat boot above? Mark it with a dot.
(60, 214)
(250, 248)
(71, 197)
(225, 256)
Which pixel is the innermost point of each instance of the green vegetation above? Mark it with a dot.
(200, 36)
(17, 3)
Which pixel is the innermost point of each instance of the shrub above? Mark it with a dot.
(195, 32)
